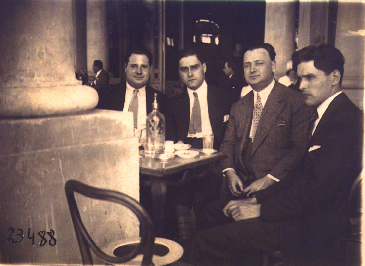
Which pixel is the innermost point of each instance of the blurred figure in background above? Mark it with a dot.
(101, 76)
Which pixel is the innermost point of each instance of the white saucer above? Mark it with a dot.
(181, 146)
(208, 151)
(187, 154)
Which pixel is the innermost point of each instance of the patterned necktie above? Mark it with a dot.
(312, 121)
(257, 110)
(195, 121)
(133, 107)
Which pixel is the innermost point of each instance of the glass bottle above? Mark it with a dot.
(155, 131)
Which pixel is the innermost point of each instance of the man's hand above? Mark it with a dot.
(242, 209)
(234, 183)
(259, 184)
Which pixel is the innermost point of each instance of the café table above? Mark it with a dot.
(158, 174)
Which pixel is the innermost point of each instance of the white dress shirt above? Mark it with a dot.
(96, 75)
(202, 92)
(142, 110)
(321, 109)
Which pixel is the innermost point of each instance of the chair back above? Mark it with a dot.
(86, 243)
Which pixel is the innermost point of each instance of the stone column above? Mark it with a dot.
(96, 34)
(280, 32)
(313, 23)
(37, 52)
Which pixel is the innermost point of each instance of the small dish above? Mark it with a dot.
(208, 151)
(187, 154)
(181, 146)
(165, 156)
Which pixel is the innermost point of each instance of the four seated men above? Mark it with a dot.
(292, 156)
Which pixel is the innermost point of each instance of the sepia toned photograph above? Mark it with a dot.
(181, 132)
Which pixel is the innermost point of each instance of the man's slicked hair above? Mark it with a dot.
(326, 57)
(140, 51)
(267, 46)
(98, 63)
(189, 52)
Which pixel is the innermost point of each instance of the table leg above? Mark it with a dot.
(158, 191)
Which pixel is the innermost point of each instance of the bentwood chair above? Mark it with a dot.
(146, 244)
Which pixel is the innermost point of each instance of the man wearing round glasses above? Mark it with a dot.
(201, 109)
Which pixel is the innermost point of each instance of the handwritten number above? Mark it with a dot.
(11, 235)
(31, 237)
(52, 241)
(43, 240)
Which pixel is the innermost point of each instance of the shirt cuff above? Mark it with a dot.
(272, 177)
(225, 170)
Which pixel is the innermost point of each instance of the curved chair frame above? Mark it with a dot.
(85, 241)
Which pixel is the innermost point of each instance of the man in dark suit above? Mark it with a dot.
(235, 80)
(304, 214)
(134, 95)
(185, 124)
(101, 76)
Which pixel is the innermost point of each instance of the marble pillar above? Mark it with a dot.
(96, 34)
(280, 32)
(50, 133)
(37, 51)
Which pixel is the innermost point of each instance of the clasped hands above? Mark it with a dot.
(236, 186)
(242, 209)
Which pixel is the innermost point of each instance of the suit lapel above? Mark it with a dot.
(184, 112)
(213, 108)
(149, 99)
(274, 104)
(336, 102)
(245, 117)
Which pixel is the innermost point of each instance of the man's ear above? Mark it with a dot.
(204, 67)
(336, 76)
(273, 66)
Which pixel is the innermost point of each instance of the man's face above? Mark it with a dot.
(258, 68)
(95, 69)
(192, 71)
(315, 85)
(227, 70)
(138, 70)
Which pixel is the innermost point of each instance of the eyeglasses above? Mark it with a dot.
(192, 68)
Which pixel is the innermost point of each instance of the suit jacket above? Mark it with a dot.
(233, 86)
(178, 118)
(101, 79)
(312, 201)
(112, 97)
(281, 136)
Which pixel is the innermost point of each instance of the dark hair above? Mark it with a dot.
(188, 52)
(267, 46)
(98, 63)
(233, 63)
(141, 51)
(326, 58)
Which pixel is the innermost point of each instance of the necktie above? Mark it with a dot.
(312, 121)
(195, 121)
(133, 107)
(257, 110)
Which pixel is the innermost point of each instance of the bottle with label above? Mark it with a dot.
(155, 131)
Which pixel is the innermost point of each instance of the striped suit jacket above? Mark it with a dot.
(281, 136)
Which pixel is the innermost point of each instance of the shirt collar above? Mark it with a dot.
(321, 109)
(131, 89)
(264, 94)
(98, 73)
(201, 91)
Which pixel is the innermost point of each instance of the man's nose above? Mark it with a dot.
(190, 72)
(302, 84)
(253, 68)
(139, 70)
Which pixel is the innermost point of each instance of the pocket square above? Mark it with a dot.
(314, 147)
(225, 118)
(281, 124)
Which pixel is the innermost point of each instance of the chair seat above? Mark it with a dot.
(173, 249)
